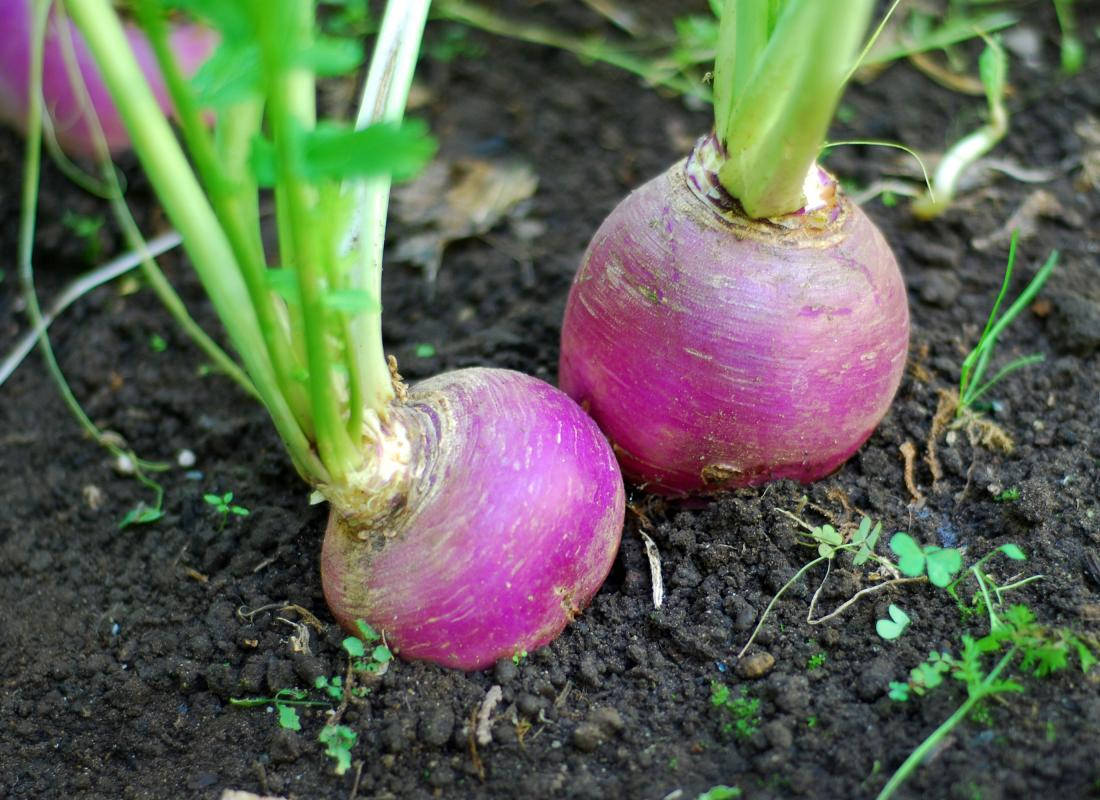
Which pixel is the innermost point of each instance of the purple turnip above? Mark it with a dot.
(737, 320)
(191, 43)
(472, 516)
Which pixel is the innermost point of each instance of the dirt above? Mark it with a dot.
(120, 649)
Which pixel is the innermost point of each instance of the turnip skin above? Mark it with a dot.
(192, 45)
(718, 352)
(507, 525)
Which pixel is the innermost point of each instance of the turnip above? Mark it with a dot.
(472, 515)
(736, 319)
(191, 43)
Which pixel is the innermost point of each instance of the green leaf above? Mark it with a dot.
(1083, 653)
(720, 792)
(351, 301)
(230, 75)
(354, 647)
(1013, 552)
(140, 514)
(910, 556)
(385, 148)
(381, 654)
(261, 161)
(288, 718)
(942, 564)
(338, 741)
(284, 282)
(868, 545)
(369, 634)
(894, 627)
(899, 691)
(329, 56)
(860, 536)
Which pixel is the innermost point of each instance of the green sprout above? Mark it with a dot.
(974, 365)
(223, 505)
(1026, 645)
(87, 228)
(993, 71)
(284, 701)
(157, 343)
(939, 563)
(894, 627)
(518, 657)
(356, 648)
(1008, 495)
(816, 661)
(425, 350)
(743, 709)
(720, 792)
(338, 741)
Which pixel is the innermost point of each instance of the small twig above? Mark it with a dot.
(856, 596)
(654, 556)
(358, 777)
(909, 453)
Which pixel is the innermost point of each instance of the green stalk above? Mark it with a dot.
(384, 97)
(775, 99)
(188, 208)
(918, 755)
(286, 27)
(232, 192)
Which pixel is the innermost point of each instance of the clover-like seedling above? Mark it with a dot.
(939, 563)
(828, 540)
(866, 537)
(894, 627)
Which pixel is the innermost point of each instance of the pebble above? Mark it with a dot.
(185, 458)
(756, 665)
(587, 737)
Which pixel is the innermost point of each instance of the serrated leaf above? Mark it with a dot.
(910, 556)
(329, 56)
(230, 75)
(1083, 653)
(385, 148)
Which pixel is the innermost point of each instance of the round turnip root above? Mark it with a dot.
(717, 351)
(495, 517)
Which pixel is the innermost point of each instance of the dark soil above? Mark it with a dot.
(120, 649)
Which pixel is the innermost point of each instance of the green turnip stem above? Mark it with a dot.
(778, 77)
(385, 94)
(922, 750)
(189, 209)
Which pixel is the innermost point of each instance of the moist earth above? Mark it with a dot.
(121, 648)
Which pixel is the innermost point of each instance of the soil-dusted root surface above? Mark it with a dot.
(120, 649)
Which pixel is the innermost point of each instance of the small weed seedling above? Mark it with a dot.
(284, 703)
(743, 710)
(518, 656)
(224, 505)
(894, 627)
(816, 661)
(87, 229)
(916, 563)
(1025, 644)
(338, 741)
(974, 365)
(720, 792)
